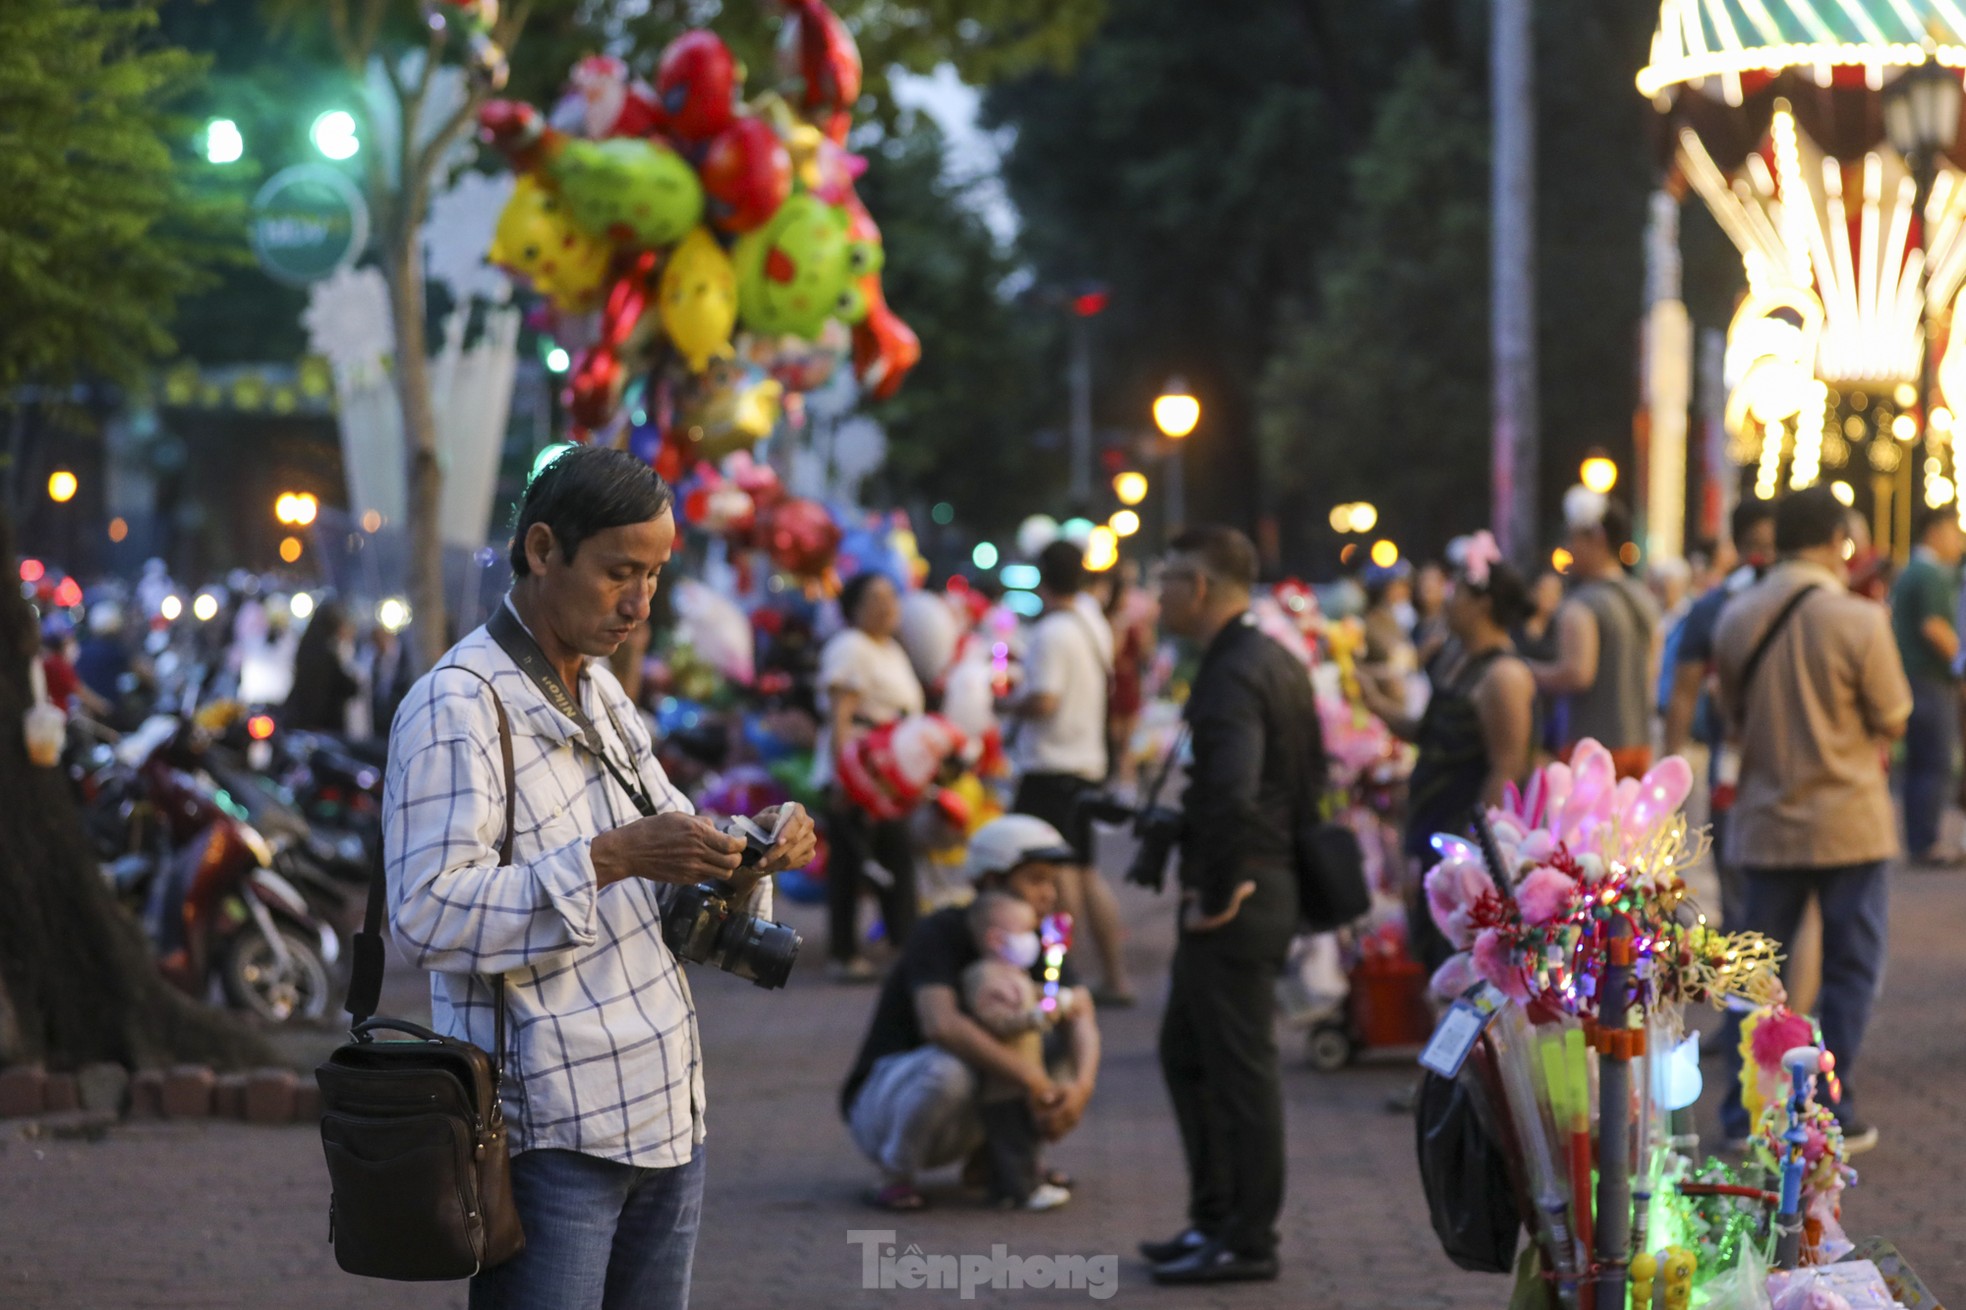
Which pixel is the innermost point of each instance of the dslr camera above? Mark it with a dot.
(701, 925)
(1156, 827)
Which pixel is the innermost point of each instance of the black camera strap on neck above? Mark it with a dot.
(1152, 797)
(514, 640)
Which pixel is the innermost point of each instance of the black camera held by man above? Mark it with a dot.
(700, 924)
(1155, 826)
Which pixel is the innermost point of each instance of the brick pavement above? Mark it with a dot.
(221, 1215)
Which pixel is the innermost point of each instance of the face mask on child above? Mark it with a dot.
(1021, 949)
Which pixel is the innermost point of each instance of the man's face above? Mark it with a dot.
(1036, 884)
(1758, 546)
(1946, 541)
(1183, 595)
(595, 600)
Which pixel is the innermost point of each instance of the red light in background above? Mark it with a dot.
(1090, 303)
(69, 593)
(259, 727)
(32, 570)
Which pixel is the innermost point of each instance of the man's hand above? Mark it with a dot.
(1193, 920)
(1060, 1118)
(798, 840)
(674, 847)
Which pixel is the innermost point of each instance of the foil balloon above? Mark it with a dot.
(728, 408)
(696, 86)
(817, 56)
(797, 270)
(636, 193)
(536, 240)
(603, 100)
(1660, 794)
(594, 387)
(716, 628)
(747, 175)
(698, 300)
(800, 537)
(885, 348)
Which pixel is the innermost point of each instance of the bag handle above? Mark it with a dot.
(416, 1030)
(365, 975)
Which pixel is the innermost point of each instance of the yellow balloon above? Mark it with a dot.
(697, 299)
(537, 240)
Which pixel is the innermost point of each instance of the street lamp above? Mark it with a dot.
(1598, 474)
(1921, 119)
(223, 142)
(1130, 487)
(296, 509)
(1176, 412)
(333, 134)
(61, 486)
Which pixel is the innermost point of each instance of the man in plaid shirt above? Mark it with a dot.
(603, 1068)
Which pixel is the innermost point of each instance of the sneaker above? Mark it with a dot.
(1858, 1136)
(859, 969)
(1043, 1197)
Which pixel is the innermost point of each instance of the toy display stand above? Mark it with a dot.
(1581, 953)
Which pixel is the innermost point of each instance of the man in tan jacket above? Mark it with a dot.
(1812, 688)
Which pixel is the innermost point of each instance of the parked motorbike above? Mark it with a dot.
(180, 849)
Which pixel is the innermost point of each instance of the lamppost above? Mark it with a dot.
(1921, 119)
(1176, 412)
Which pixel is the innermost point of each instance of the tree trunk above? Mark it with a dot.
(405, 270)
(77, 983)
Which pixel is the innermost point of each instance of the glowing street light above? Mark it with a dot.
(1598, 474)
(61, 486)
(169, 608)
(1130, 487)
(1124, 523)
(558, 360)
(1384, 553)
(393, 614)
(333, 134)
(1365, 517)
(1176, 411)
(296, 509)
(984, 556)
(1102, 549)
(290, 549)
(301, 606)
(205, 608)
(223, 143)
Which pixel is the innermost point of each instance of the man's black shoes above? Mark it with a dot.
(1212, 1262)
(1184, 1243)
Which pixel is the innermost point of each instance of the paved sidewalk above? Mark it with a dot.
(174, 1215)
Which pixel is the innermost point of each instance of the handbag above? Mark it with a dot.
(1464, 1173)
(1331, 886)
(414, 1131)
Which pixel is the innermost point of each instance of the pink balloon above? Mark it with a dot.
(1554, 784)
(1664, 789)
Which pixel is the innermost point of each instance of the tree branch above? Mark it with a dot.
(371, 30)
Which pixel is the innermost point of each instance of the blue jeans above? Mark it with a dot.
(599, 1235)
(1856, 911)
(1930, 740)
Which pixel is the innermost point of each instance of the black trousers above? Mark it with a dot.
(1218, 1053)
(854, 838)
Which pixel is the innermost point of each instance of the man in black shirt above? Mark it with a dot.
(910, 1101)
(1253, 782)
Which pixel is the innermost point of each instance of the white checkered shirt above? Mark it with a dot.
(602, 1054)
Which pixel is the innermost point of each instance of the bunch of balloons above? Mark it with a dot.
(716, 238)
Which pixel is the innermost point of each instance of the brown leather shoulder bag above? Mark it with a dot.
(414, 1131)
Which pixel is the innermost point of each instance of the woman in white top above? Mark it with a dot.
(865, 681)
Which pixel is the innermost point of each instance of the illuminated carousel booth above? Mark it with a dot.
(1821, 135)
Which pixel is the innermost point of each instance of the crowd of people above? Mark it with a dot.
(983, 1045)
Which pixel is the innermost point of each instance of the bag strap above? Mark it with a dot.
(365, 977)
(1760, 650)
(1152, 795)
(512, 637)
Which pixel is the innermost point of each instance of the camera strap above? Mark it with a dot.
(1152, 797)
(514, 640)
